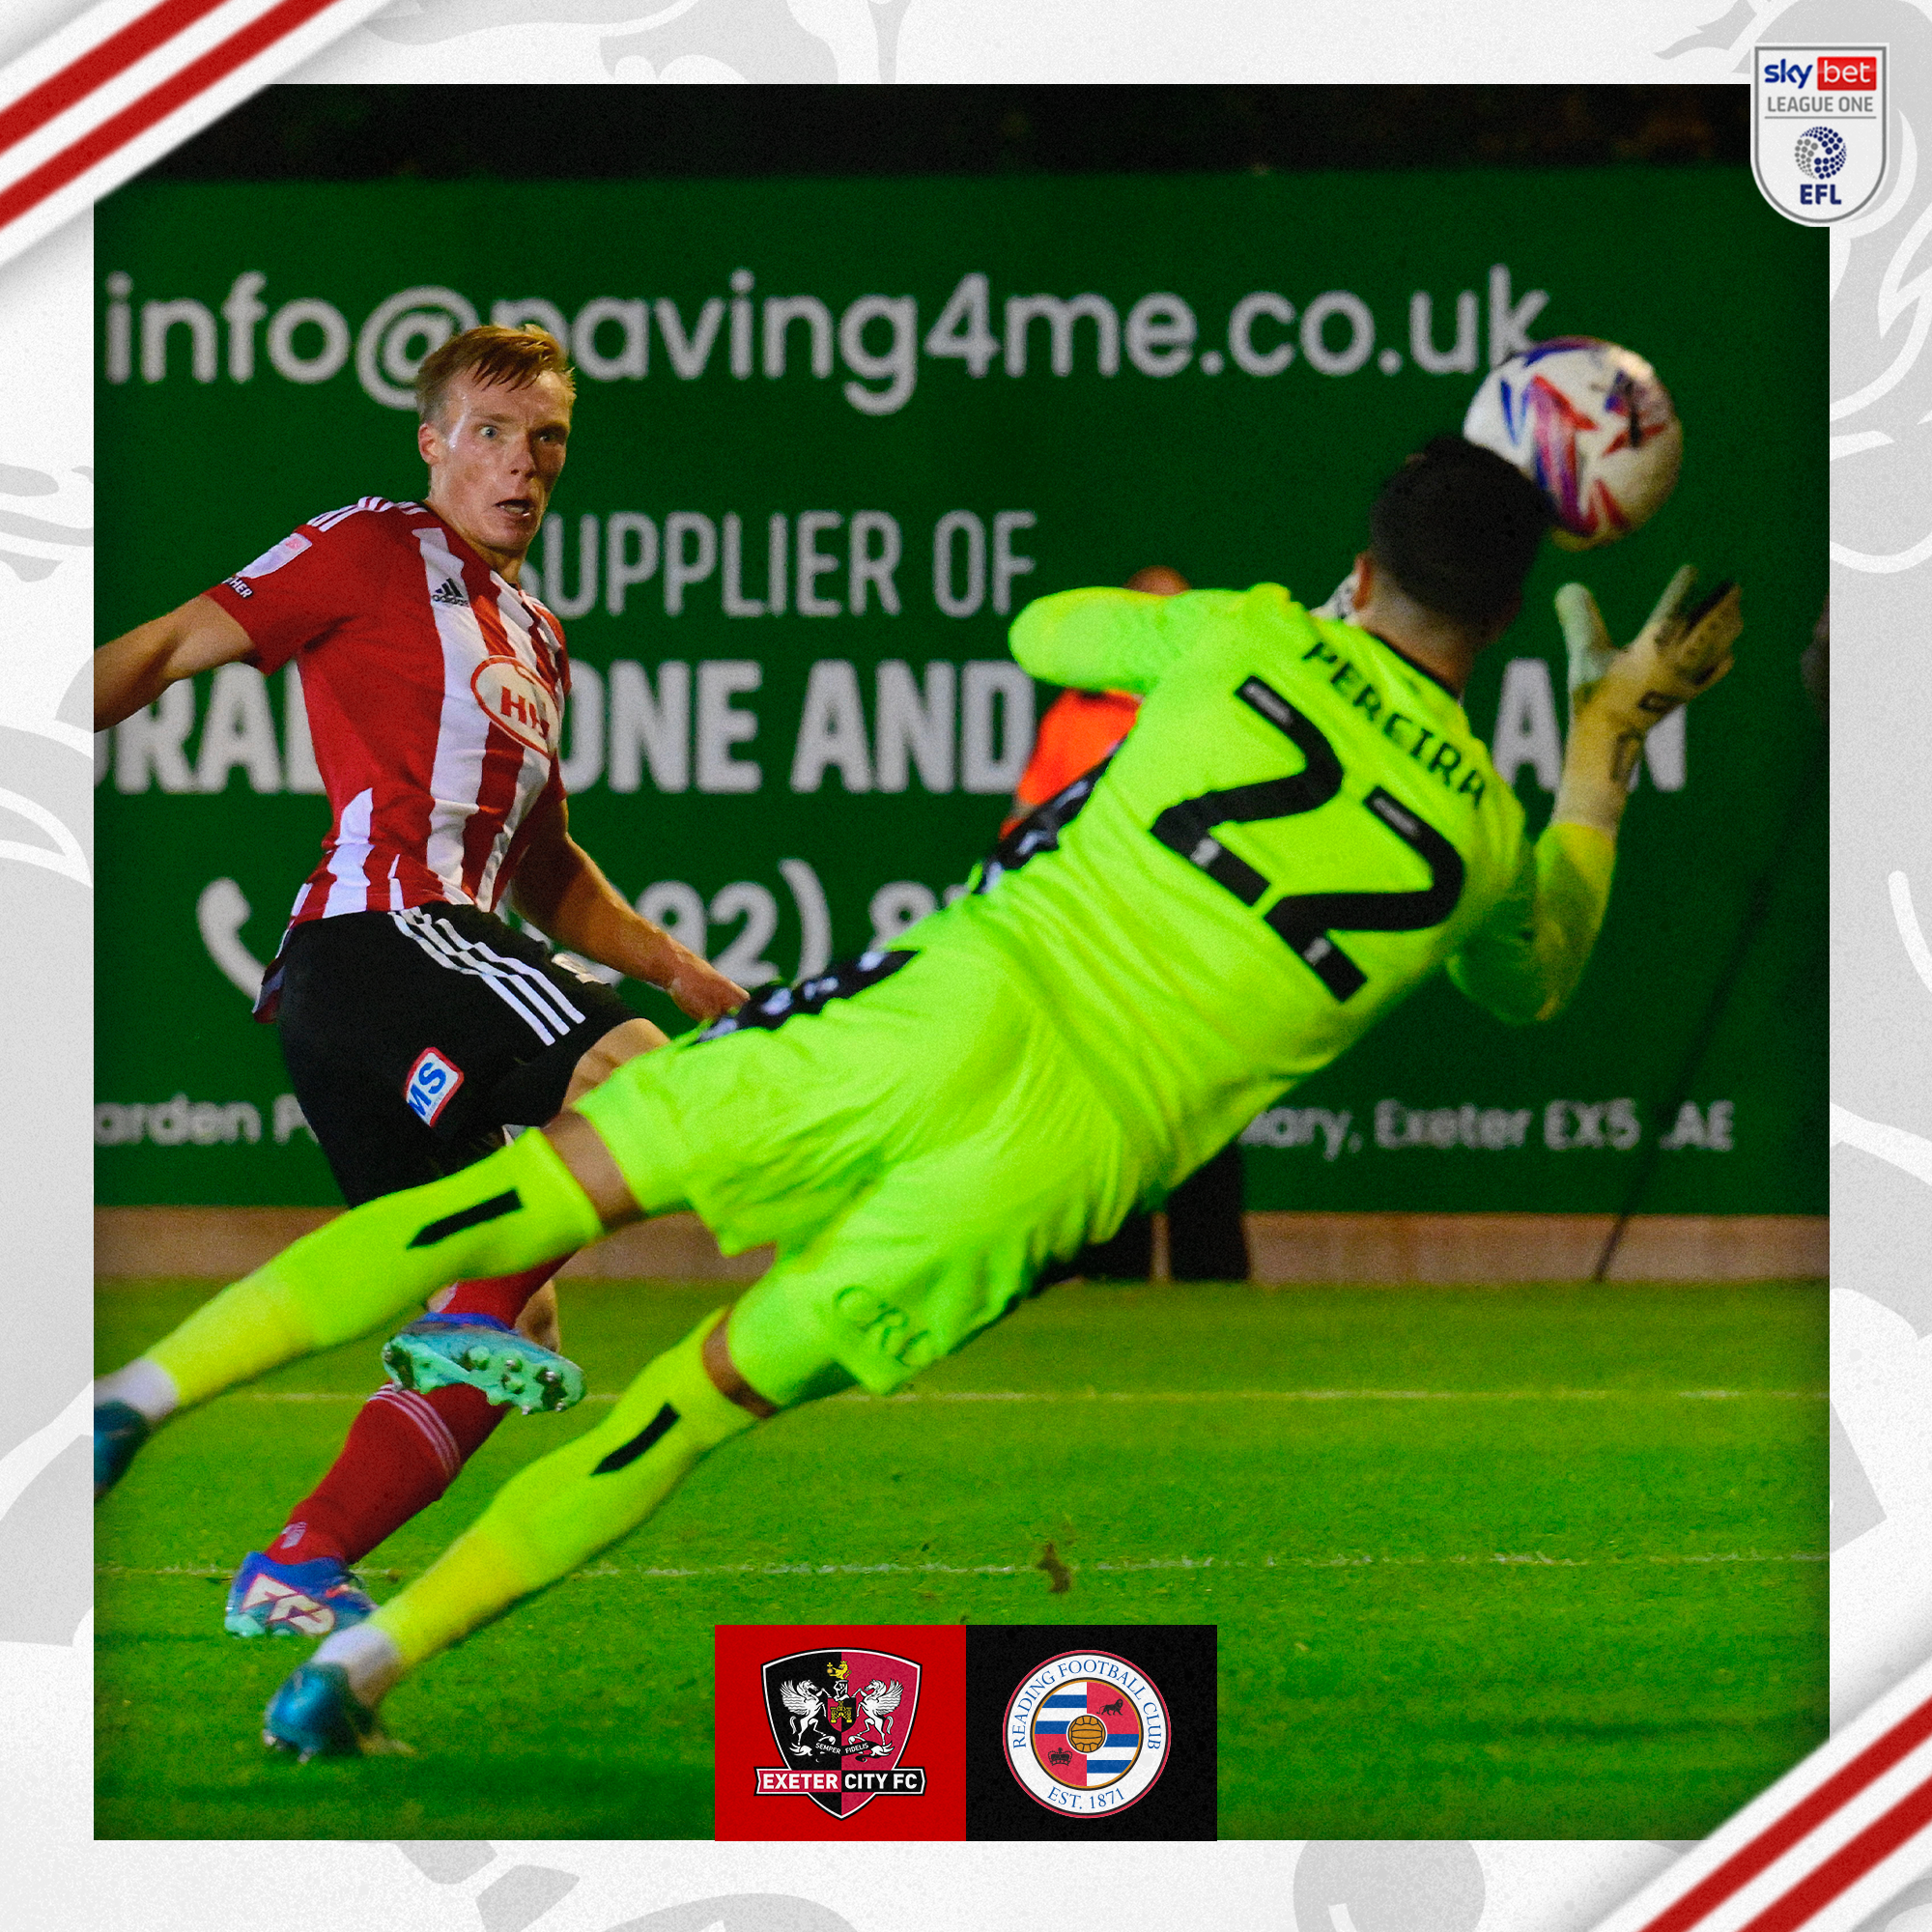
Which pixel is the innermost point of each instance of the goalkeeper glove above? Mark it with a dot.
(1616, 696)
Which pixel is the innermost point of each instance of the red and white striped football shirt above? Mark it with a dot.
(435, 692)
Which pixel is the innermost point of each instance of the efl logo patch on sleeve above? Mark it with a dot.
(433, 1080)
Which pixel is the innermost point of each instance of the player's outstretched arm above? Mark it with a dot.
(1106, 639)
(563, 891)
(1526, 960)
(137, 666)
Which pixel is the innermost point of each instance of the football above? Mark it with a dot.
(1590, 424)
(1085, 1733)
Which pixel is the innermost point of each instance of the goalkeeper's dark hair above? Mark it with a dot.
(1458, 527)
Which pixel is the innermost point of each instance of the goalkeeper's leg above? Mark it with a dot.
(508, 1212)
(553, 1515)
(805, 1331)
(898, 1274)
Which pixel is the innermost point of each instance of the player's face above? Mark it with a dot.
(494, 457)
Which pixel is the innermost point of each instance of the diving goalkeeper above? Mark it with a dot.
(1299, 832)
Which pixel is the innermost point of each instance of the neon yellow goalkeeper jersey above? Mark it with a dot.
(1300, 828)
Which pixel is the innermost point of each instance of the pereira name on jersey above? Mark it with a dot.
(434, 692)
(1299, 831)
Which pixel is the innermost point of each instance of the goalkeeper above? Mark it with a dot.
(1300, 831)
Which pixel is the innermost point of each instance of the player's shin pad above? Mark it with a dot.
(549, 1517)
(510, 1212)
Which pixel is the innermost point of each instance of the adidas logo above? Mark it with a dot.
(449, 591)
(292, 1608)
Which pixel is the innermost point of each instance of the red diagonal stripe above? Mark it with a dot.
(1805, 1817)
(115, 132)
(1848, 1863)
(100, 65)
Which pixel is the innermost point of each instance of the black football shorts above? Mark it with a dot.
(413, 1038)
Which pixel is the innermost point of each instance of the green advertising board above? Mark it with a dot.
(830, 436)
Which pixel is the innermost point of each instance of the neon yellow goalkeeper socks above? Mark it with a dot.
(510, 1212)
(546, 1520)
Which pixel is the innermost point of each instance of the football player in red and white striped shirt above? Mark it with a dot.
(416, 1023)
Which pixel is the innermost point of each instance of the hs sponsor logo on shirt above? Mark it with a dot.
(517, 700)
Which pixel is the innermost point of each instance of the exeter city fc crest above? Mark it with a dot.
(841, 1720)
(1818, 128)
(1088, 1733)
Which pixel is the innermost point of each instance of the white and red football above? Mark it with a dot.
(1589, 423)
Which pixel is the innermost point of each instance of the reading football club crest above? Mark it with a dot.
(1818, 128)
(841, 1719)
(1087, 1734)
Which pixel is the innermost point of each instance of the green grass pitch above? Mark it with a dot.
(1511, 1562)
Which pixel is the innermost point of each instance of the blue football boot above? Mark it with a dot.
(488, 1355)
(316, 1714)
(269, 1599)
(119, 1431)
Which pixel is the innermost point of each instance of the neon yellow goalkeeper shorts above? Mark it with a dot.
(911, 1131)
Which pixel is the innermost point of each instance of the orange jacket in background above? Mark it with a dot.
(1080, 728)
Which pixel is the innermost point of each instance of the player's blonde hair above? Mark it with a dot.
(512, 357)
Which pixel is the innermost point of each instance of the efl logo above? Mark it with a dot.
(433, 1080)
(271, 560)
(1818, 128)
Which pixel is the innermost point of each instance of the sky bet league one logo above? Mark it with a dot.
(1818, 128)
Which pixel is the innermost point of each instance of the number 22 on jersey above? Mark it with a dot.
(1307, 921)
